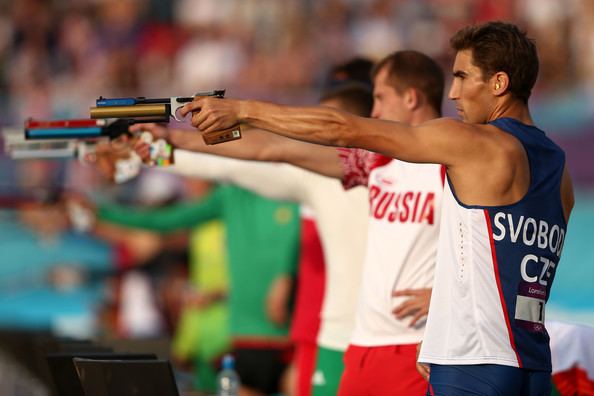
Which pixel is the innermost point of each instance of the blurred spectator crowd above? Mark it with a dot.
(57, 56)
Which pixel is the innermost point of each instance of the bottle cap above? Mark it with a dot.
(227, 362)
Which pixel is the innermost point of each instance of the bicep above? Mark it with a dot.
(439, 141)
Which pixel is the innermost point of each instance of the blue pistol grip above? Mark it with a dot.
(102, 102)
(63, 133)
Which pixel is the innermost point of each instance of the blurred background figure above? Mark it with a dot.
(261, 241)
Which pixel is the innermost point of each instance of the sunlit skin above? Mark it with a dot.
(107, 153)
(469, 90)
(387, 103)
(475, 154)
(408, 107)
(480, 100)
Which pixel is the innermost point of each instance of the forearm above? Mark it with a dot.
(203, 166)
(254, 145)
(320, 125)
(163, 220)
(140, 244)
(434, 141)
(437, 141)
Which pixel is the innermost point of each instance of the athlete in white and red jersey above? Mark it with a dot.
(403, 229)
(495, 159)
(404, 213)
(402, 237)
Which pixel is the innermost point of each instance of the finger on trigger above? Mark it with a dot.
(190, 107)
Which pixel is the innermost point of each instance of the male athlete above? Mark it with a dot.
(507, 201)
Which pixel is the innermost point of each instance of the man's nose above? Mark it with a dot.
(375, 112)
(453, 92)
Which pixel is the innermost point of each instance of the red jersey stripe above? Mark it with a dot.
(499, 289)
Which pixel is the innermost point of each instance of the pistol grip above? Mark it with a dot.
(225, 135)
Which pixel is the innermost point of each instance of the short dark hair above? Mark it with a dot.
(413, 69)
(355, 69)
(355, 97)
(501, 47)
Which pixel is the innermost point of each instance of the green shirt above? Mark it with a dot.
(262, 244)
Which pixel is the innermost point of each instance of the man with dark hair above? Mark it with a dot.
(518, 59)
(507, 201)
(403, 225)
(356, 69)
(354, 97)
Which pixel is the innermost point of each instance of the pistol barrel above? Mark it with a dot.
(63, 133)
(144, 110)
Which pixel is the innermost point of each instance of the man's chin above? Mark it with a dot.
(462, 117)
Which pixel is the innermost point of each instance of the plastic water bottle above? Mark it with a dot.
(227, 379)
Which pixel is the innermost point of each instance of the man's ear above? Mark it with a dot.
(499, 83)
(412, 98)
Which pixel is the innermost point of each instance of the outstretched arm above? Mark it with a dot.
(269, 179)
(258, 145)
(181, 215)
(473, 154)
(441, 140)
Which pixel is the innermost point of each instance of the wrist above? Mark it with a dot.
(243, 110)
(175, 138)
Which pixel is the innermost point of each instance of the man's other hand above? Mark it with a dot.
(417, 305)
(422, 368)
(277, 300)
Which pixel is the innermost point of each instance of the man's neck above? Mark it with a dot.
(515, 109)
(423, 114)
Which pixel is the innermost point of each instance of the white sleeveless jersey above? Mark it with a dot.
(401, 247)
(467, 294)
(496, 266)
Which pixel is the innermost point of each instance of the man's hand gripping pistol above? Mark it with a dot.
(141, 109)
(87, 140)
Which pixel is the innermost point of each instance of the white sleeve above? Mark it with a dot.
(269, 179)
